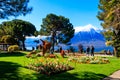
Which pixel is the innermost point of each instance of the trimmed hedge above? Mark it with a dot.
(13, 48)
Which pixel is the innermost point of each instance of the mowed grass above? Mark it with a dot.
(12, 67)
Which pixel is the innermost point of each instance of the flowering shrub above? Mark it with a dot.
(49, 67)
(89, 60)
(50, 55)
(75, 54)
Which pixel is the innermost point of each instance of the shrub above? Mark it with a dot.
(13, 48)
(89, 60)
(47, 55)
(72, 49)
(8, 39)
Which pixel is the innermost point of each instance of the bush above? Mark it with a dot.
(72, 49)
(90, 60)
(13, 48)
(8, 39)
(47, 55)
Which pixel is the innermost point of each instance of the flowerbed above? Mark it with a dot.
(76, 54)
(50, 55)
(49, 67)
(89, 60)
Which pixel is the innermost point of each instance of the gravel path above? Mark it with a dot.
(114, 76)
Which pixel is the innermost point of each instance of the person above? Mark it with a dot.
(80, 46)
(33, 48)
(92, 50)
(105, 52)
(62, 52)
(88, 50)
(108, 52)
(60, 49)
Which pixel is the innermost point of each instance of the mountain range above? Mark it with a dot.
(89, 38)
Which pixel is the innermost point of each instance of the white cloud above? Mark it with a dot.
(86, 28)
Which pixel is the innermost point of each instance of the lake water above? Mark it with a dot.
(29, 43)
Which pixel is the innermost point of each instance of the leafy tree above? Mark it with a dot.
(72, 49)
(13, 8)
(57, 26)
(6, 28)
(8, 39)
(18, 29)
(36, 33)
(110, 15)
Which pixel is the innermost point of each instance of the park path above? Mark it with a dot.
(114, 76)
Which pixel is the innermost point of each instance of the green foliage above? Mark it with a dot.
(72, 49)
(36, 33)
(14, 8)
(8, 39)
(13, 48)
(109, 14)
(18, 29)
(57, 24)
(107, 34)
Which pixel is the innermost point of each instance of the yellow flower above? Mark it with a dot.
(41, 60)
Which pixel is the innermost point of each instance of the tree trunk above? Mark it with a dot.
(52, 42)
(116, 52)
(23, 43)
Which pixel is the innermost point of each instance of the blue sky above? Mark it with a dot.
(80, 12)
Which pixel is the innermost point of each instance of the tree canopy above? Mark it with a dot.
(109, 14)
(58, 25)
(18, 29)
(14, 8)
(8, 39)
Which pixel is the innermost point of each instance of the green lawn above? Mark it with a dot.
(12, 67)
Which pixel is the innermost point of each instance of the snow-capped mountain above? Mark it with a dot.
(87, 36)
(87, 28)
(91, 35)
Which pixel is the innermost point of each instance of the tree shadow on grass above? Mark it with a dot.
(71, 76)
(91, 76)
(60, 76)
(8, 71)
(13, 54)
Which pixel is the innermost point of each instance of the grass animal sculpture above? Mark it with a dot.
(31, 53)
(46, 46)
